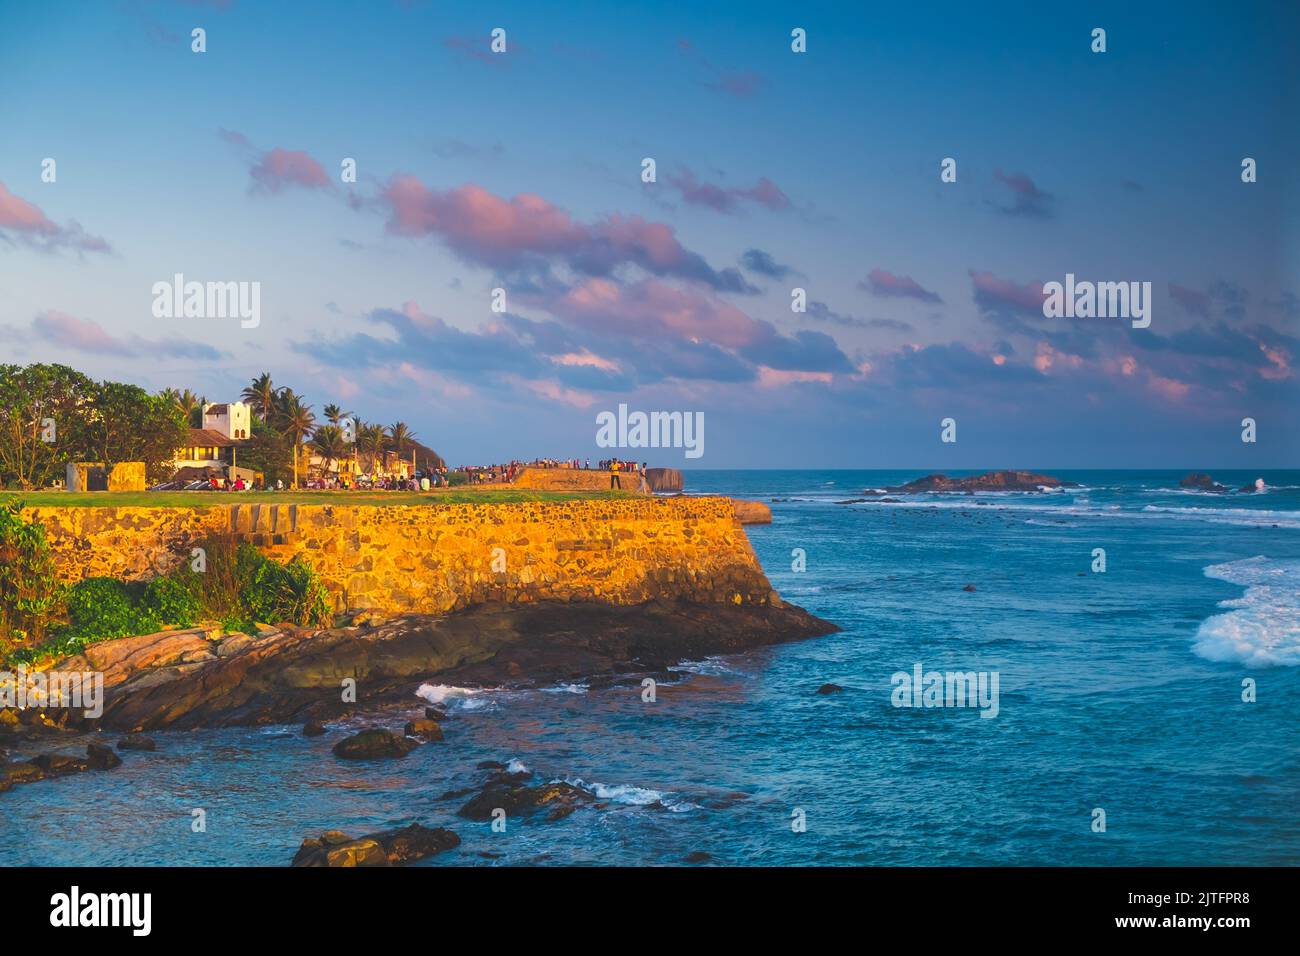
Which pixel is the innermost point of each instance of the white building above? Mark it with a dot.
(232, 419)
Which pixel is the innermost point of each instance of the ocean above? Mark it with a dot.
(1119, 691)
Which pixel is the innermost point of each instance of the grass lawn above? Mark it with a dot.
(207, 499)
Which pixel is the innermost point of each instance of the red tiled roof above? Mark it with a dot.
(207, 438)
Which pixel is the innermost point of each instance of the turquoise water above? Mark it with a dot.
(1119, 690)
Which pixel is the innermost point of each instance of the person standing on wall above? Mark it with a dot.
(613, 474)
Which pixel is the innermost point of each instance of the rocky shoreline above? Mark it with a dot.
(188, 679)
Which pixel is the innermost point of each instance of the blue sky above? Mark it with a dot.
(775, 170)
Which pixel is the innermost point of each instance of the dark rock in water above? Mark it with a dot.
(98, 757)
(1254, 486)
(989, 481)
(436, 713)
(136, 742)
(490, 765)
(890, 501)
(374, 744)
(313, 728)
(1201, 482)
(556, 800)
(102, 757)
(287, 677)
(424, 728)
(698, 856)
(830, 689)
(969, 587)
(663, 479)
(389, 848)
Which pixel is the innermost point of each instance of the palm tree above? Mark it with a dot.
(401, 436)
(372, 441)
(296, 421)
(261, 395)
(335, 414)
(327, 441)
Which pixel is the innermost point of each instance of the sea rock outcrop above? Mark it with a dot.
(389, 848)
(751, 512)
(294, 675)
(553, 801)
(98, 757)
(1202, 482)
(989, 481)
(664, 479)
(374, 744)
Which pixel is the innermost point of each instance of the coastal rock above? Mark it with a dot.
(989, 481)
(969, 587)
(313, 728)
(48, 765)
(555, 800)
(830, 689)
(373, 745)
(389, 848)
(295, 675)
(751, 512)
(424, 729)
(663, 479)
(1202, 482)
(136, 742)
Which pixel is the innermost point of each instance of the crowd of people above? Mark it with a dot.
(441, 477)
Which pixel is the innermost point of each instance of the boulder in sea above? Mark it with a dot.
(101, 757)
(969, 587)
(751, 512)
(830, 689)
(1200, 481)
(313, 728)
(556, 800)
(989, 481)
(374, 744)
(136, 742)
(697, 856)
(663, 479)
(424, 729)
(389, 848)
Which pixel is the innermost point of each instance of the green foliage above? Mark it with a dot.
(100, 608)
(174, 598)
(30, 594)
(43, 419)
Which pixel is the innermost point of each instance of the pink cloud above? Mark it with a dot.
(487, 229)
(28, 223)
(279, 169)
(728, 199)
(883, 283)
(994, 294)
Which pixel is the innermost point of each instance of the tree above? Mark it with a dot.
(261, 394)
(372, 442)
(43, 417)
(126, 423)
(296, 421)
(402, 437)
(191, 407)
(327, 441)
(335, 415)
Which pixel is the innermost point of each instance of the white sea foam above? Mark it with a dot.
(440, 693)
(517, 766)
(629, 795)
(1263, 626)
(1235, 516)
(566, 689)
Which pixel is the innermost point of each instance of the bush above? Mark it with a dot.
(30, 594)
(100, 608)
(174, 599)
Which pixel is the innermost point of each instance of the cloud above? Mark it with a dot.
(1195, 303)
(888, 285)
(1026, 198)
(742, 84)
(84, 335)
(525, 231)
(821, 312)
(761, 263)
(479, 49)
(994, 296)
(24, 222)
(279, 169)
(728, 199)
